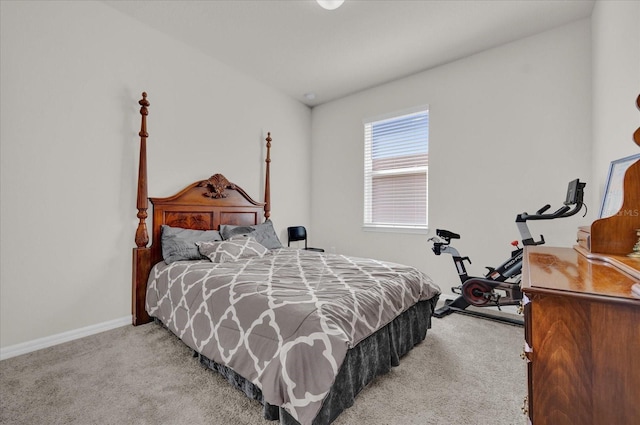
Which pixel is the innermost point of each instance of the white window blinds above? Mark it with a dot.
(396, 166)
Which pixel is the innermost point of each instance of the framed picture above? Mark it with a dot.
(613, 191)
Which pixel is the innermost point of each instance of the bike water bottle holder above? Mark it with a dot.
(531, 242)
(437, 247)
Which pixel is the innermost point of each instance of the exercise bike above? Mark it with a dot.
(500, 286)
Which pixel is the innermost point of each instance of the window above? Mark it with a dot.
(396, 165)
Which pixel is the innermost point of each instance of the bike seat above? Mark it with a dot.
(447, 234)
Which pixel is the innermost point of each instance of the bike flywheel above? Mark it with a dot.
(474, 290)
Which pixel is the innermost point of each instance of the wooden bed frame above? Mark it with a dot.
(203, 205)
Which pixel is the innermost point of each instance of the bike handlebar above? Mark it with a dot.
(575, 191)
(543, 209)
(564, 211)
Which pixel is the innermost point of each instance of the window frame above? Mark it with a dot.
(368, 173)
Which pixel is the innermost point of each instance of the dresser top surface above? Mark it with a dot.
(567, 270)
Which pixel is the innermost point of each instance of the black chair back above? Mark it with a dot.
(297, 233)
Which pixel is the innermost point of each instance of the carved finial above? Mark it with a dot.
(144, 103)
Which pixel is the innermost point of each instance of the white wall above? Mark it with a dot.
(616, 84)
(509, 128)
(71, 76)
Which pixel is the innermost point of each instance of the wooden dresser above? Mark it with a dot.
(582, 321)
(582, 337)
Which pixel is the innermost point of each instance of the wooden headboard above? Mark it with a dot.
(203, 205)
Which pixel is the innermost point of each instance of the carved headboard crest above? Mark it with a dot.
(216, 186)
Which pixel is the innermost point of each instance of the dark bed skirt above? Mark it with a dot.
(373, 356)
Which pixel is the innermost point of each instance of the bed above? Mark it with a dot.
(300, 331)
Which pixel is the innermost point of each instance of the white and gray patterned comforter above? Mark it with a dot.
(286, 320)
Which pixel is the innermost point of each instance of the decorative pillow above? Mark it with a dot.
(263, 233)
(231, 250)
(180, 244)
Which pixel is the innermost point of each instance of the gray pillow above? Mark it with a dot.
(180, 244)
(231, 250)
(263, 233)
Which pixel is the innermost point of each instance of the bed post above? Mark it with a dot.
(141, 254)
(267, 182)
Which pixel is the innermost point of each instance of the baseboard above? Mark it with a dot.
(49, 341)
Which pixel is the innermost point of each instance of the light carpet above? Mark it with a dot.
(467, 371)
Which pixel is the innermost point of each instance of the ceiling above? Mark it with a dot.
(300, 48)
